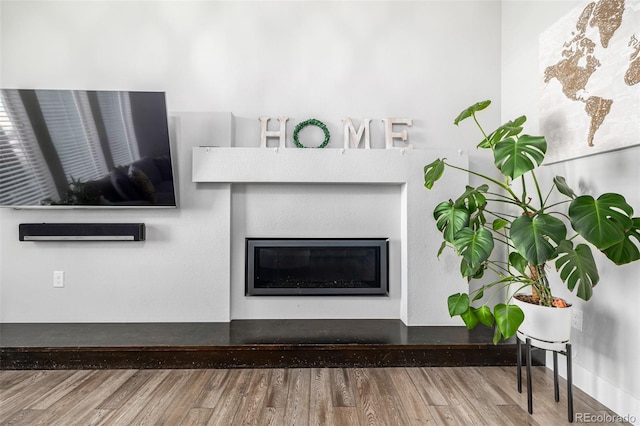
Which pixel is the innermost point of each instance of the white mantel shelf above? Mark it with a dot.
(300, 165)
(421, 273)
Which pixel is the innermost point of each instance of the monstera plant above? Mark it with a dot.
(539, 227)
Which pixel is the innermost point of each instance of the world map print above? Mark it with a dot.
(590, 76)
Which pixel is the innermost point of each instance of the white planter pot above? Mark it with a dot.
(545, 324)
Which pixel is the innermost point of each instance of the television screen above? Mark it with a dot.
(83, 148)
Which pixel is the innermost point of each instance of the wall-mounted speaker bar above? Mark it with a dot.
(82, 231)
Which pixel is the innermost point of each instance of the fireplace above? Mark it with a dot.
(313, 267)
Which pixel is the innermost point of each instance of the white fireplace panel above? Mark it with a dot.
(335, 192)
(312, 211)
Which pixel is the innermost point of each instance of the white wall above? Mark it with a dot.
(605, 352)
(161, 279)
(327, 60)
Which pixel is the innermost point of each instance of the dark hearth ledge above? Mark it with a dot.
(247, 343)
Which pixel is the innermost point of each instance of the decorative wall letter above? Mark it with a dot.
(390, 135)
(349, 129)
(281, 133)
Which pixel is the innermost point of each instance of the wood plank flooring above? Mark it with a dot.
(304, 396)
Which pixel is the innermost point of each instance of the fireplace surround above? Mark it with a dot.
(293, 192)
(321, 266)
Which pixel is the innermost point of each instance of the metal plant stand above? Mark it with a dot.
(556, 348)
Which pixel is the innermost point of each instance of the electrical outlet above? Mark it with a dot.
(58, 278)
(576, 319)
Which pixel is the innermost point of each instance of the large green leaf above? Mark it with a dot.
(508, 319)
(497, 335)
(473, 198)
(531, 235)
(472, 316)
(563, 187)
(471, 272)
(626, 251)
(474, 246)
(498, 224)
(479, 294)
(484, 315)
(518, 262)
(450, 219)
(508, 129)
(478, 106)
(433, 172)
(602, 222)
(458, 304)
(514, 157)
(470, 319)
(577, 268)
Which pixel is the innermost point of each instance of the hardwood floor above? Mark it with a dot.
(309, 396)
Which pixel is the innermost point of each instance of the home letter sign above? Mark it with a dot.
(281, 133)
(390, 135)
(349, 132)
(349, 129)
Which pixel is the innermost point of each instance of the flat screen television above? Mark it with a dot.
(84, 149)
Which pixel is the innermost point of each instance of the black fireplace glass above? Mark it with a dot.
(317, 267)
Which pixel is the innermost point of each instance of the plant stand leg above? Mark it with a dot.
(529, 385)
(519, 364)
(556, 387)
(569, 383)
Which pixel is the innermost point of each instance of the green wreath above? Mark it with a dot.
(311, 122)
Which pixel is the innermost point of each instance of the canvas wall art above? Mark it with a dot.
(590, 80)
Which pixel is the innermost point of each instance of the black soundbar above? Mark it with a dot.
(82, 231)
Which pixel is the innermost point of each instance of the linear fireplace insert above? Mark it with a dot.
(321, 266)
